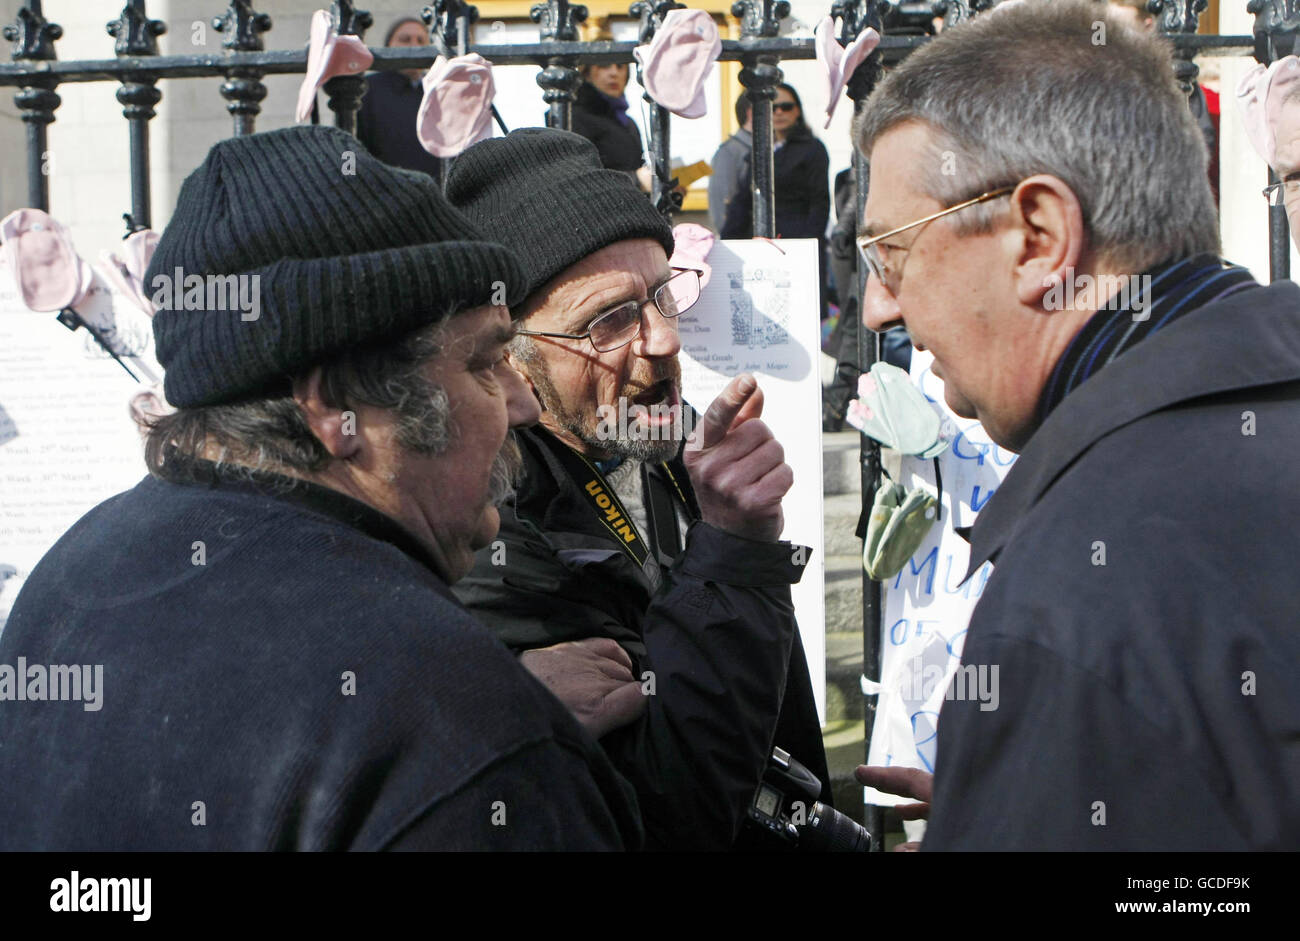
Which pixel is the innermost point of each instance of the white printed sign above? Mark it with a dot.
(67, 440)
(927, 606)
(759, 313)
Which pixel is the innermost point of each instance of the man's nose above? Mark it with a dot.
(522, 408)
(880, 310)
(658, 337)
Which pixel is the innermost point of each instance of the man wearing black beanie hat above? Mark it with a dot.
(625, 560)
(278, 661)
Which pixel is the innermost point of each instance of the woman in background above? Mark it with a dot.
(600, 115)
(801, 174)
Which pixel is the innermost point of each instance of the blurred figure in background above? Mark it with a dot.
(600, 115)
(730, 164)
(386, 118)
(803, 196)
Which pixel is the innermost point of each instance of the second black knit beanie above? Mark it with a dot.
(543, 194)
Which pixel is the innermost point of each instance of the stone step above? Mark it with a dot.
(840, 451)
(843, 592)
(841, 519)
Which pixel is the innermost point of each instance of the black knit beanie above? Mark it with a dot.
(544, 195)
(338, 249)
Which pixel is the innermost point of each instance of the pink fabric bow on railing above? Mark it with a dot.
(51, 276)
(691, 246)
(328, 55)
(678, 61)
(840, 63)
(1262, 95)
(126, 272)
(456, 111)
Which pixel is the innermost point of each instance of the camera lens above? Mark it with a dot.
(829, 831)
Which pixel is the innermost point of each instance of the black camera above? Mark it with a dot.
(786, 807)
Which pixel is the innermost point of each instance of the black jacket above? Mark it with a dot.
(803, 198)
(1142, 609)
(595, 119)
(386, 122)
(719, 635)
(227, 621)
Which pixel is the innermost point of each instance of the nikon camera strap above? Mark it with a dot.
(603, 501)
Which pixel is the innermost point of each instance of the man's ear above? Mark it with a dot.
(336, 428)
(1048, 218)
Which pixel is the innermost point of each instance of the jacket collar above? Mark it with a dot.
(1249, 340)
(549, 499)
(313, 498)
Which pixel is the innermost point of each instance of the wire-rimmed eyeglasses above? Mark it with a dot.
(619, 325)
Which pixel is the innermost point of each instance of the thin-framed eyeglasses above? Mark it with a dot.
(868, 245)
(1277, 193)
(619, 325)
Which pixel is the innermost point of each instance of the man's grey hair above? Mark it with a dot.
(1060, 88)
(271, 434)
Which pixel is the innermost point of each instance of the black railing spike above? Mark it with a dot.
(243, 27)
(136, 34)
(33, 35)
(350, 21)
(559, 19)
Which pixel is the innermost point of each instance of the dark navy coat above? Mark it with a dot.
(1142, 613)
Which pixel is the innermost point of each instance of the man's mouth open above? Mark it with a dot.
(661, 401)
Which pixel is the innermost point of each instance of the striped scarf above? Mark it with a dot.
(1159, 296)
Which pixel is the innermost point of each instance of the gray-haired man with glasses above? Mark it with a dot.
(1142, 599)
(639, 577)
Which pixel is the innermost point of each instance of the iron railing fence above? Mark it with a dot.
(37, 72)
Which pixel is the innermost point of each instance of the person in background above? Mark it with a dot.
(803, 197)
(386, 119)
(600, 115)
(730, 163)
(896, 347)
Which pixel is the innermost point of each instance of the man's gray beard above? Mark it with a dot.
(583, 427)
(507, 470)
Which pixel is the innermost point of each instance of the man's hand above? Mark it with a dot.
(593, 678)
(737, 466)
(906, 782)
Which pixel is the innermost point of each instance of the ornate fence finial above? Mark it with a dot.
(1180, 16)
(760, 17)
(1277, 28)
(243, 27)
(559, 19)
(443, 18)
(651, 13)
(33, 35)
(350, 21)
(136, 34)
